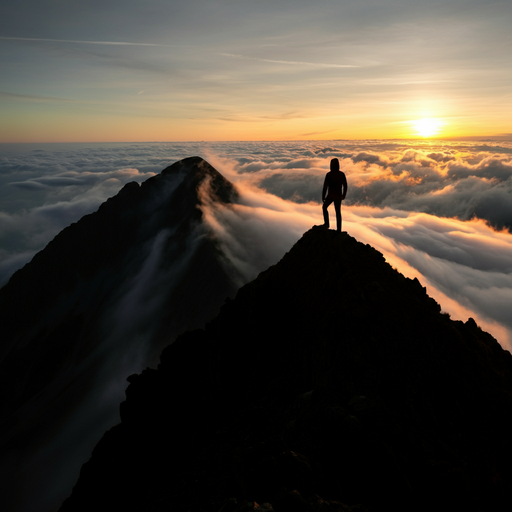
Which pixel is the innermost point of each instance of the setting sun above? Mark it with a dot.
(427, 127)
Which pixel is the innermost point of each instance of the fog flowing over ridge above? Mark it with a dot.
(98, 304)
(437, 210)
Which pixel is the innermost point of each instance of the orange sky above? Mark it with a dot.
(272, 71)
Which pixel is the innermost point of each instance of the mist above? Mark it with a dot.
(465, 265)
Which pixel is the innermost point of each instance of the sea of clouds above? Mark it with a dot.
(438, 211)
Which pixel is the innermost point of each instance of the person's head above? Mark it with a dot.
(335, 164)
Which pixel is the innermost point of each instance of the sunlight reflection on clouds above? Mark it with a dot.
(466, 265)
(427, 207)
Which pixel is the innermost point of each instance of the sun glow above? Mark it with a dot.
(427, 127)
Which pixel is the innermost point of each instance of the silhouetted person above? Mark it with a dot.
(335, 186)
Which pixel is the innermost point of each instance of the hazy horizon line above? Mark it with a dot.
(471, 138)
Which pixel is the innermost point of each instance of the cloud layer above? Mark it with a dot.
(448, 181)
(438, 212)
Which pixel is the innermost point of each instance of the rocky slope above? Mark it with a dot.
(330, 383)
(108, 292)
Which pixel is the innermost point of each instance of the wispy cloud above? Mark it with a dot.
(34, 97)
(265, 118)
(403, 81)
(318, 133)
(289, 62)
(112, 43)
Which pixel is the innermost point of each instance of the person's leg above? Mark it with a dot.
(326, 204)
(337, 207)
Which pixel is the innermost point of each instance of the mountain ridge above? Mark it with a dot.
(330, 382)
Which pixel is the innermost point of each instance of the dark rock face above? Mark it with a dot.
(133, 270)
(330, 383)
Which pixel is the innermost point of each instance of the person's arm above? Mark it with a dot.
(344, 186)
(324, 190)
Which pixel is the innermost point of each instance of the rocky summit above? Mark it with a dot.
(329, 383)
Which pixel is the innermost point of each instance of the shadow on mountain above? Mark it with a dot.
(330, 383)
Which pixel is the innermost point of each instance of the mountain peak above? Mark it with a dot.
(183, 179)
(108, 291)
(194, 164)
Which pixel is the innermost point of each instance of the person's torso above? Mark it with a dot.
(335, 182)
